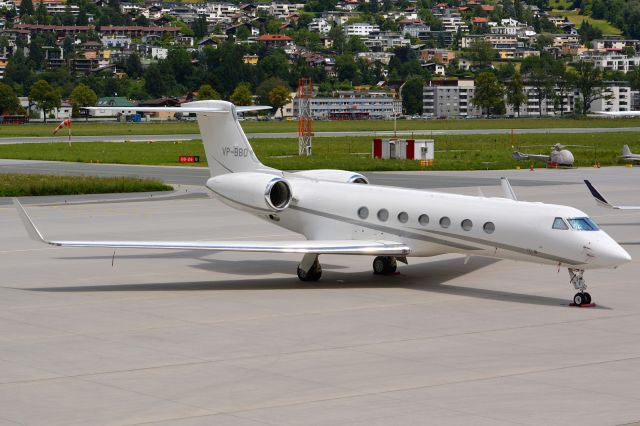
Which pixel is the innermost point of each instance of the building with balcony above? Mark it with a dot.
(449, 98)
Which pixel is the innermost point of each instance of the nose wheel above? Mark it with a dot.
(582, 297)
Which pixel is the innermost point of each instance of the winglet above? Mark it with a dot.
(33, 232)
(507, 189)
(599, 197)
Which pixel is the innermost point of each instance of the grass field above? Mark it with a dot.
(159, 128)
(19, 185)
(468, 152)
(575, 18)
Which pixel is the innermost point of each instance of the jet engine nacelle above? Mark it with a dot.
(331, 175)
(255, 191)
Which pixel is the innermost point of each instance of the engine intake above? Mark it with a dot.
(252, 191)
(278, 194)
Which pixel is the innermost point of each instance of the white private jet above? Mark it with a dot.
(339, 213)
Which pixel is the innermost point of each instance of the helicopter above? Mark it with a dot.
(560, 156)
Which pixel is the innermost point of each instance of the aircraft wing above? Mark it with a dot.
(620, 113)
(366, 247)
(603, 202)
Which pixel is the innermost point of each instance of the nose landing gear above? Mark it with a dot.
(582, 297)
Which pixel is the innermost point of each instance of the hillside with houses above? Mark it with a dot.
(367, 59)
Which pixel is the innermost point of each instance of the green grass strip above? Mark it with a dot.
(81, 128)
(18, 185)
(453, 152)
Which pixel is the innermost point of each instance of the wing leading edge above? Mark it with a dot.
(389, 248)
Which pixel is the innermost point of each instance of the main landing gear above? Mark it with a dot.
(582, 297)
(309, 269)
(383, 265)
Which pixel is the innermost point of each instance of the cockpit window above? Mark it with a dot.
(583, 224)
(558, 223)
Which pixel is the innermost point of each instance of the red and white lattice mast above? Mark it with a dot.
(305, 120)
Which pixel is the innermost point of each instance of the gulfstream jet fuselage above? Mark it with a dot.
(340, 213)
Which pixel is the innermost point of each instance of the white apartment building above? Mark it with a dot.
(453, 22)
(614, 44)
(353, 104)
(449, 98)
(385, 40)
(561, 103)
(320, 25)
(218, 12)
(361, 29)
(56, 9)
(280, 10)
(611, 61)
(618, 96)
(116, 41)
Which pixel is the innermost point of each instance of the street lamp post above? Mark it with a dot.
(395, 113)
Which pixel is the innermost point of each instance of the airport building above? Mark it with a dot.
(353, 105)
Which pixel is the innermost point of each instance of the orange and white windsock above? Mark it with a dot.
(65, 123)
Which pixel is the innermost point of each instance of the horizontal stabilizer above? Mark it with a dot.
(370, 247)
(603, 202)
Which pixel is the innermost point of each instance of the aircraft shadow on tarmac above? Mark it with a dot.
(429, 276)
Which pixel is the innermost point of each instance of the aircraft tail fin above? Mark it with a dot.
(626, 151)
(225, 144)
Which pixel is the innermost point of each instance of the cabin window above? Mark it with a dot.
(467, 225)
(558, 223)
(423, 220)
(383, 215)
(489, 227)
(583, 224)
(445, 222)
(363, 212)
(403, 217)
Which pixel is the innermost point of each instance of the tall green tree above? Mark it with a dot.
(81, 97)
(489, 94)
(279, 97)
(242, 94)
(264, 89)
(481, 53)
(516, 95)
(26, 8)
(45, 97)
(9, 102)
(412, 95)
(588, 80)
(206, 91)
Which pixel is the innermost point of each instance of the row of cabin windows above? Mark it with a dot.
(423, 219)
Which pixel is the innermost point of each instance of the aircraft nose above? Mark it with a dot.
(611, 254)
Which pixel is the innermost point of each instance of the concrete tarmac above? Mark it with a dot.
(402, 133)
(186, 338)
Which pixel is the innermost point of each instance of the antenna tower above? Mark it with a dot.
(305, 92)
